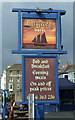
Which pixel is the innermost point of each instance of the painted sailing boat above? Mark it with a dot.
(40, 39)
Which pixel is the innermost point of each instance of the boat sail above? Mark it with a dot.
(40, 39)
(34, 40)
(43, 38)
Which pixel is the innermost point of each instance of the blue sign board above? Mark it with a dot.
(35, 25)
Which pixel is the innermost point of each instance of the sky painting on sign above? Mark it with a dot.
(36, 29)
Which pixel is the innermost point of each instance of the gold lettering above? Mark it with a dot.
(40, 24)
(40, 77)
(34, 89)
(45, 89)
(49, 83)
(33, 83)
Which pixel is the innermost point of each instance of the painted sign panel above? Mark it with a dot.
(39, 34)
(40, 78)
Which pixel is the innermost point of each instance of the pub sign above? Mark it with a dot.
(39, 34)
(40, 78)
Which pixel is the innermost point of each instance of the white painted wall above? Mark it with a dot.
(3, 80)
